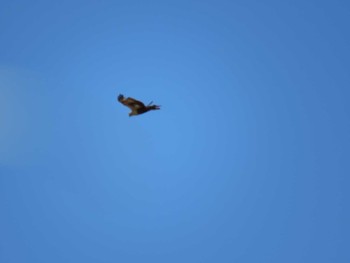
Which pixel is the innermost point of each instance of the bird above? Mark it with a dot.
(137, 107)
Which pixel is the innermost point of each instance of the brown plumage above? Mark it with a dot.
(137, 107)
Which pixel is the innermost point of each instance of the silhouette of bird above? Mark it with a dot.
(137, 107)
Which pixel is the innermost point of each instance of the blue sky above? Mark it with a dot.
(248, 160)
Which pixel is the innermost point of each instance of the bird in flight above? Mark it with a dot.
(136, 107)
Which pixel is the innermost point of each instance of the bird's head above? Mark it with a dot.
(131, 114)
(120, 97)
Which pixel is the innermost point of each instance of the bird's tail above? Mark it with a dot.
(153, 107)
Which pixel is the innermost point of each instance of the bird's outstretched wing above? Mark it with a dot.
(130, 102)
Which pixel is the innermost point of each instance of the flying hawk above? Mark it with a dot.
(137, 107)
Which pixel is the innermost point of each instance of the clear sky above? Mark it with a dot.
(247, 161)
